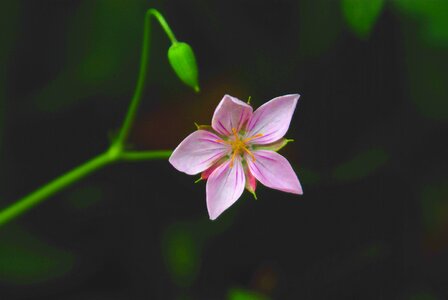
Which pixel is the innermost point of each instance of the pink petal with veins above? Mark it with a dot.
(272, 119)
(198, 152)
(224, 186)
(230, 113)
(274, 171)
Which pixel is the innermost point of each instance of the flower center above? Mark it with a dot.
(239, 146)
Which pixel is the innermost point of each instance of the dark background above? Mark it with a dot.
(370, 150)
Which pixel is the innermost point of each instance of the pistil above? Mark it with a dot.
(239, 146)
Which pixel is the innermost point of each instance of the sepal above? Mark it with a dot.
(251, 182)
(275, 146)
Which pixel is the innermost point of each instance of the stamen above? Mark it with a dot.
(239, 146)
(250, 153)
(232, 159)
(252, 137)
(235, 133)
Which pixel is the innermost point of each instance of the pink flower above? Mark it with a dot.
(238, 149)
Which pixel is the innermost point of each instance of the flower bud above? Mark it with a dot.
(183, 61)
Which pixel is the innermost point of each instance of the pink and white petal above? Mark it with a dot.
(272, 119)
(230, 113)
(274, 171)
(224, 186)
(198, 152)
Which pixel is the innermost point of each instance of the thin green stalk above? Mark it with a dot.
(163, 23)
(69, 178)
(115, 152)
(145, 155)
(52, 187)
(130, 116)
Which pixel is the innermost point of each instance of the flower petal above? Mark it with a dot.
(230, 113)
(197, 152)
(272, 119)
(224, 186)
(274, 171)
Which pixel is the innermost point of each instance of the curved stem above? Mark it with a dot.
(130, 116)
(163, 23)
(114, 153)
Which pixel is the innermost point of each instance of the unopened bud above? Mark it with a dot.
(183, 61)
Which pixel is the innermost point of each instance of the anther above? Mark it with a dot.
(232, 159)
(235, 133)
(222, 141)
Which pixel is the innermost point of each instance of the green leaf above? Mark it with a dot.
(361, 15)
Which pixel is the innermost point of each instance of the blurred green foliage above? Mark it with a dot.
(425, 36)
(102, 41)
(361, 165)
(243, 294)
(182, 251)
(375, 250)
(434, 201)
(25, 259)
(106, 47)
(85, 197)
(432, 17)
(9, 14)
(361, 15)
(319, 27)
(308, 176)
(423, 296)
(183, 243)
(426, 75)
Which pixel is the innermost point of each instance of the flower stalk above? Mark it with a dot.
(117, 151)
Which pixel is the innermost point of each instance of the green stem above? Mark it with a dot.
(52, 187)
(145, 155)
(163, 23)
(69, 178)
(114, 153)
(130, 116)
